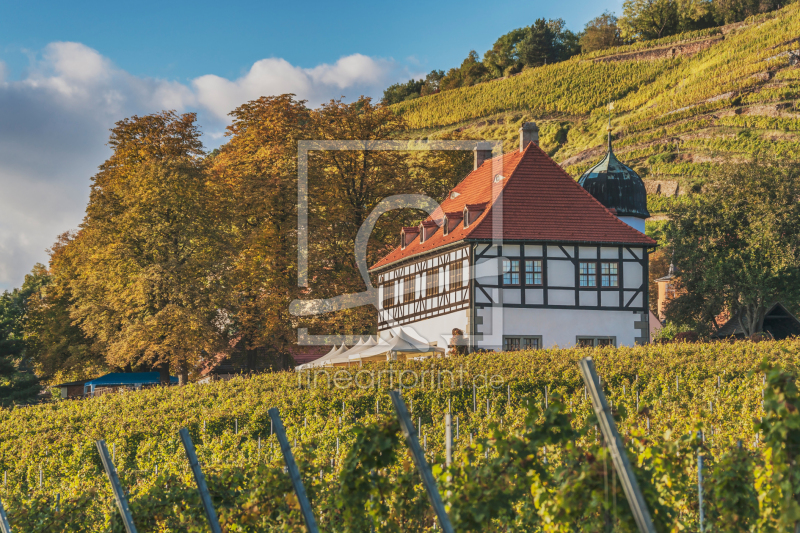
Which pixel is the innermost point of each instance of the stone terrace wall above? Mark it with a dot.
(665, 52)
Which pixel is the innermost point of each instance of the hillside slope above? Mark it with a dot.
(680, 104)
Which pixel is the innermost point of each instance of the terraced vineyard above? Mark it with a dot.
(527, 454)
(681, 104)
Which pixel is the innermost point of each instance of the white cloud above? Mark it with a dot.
(278, 76)
(54, 124)
(74, 61)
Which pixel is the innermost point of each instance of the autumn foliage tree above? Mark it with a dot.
(255, 180)
(58, 348)
(147, 255)
(601, 32)
(185, 256)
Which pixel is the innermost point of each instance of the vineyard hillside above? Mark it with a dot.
(337, 424)
(680, 104)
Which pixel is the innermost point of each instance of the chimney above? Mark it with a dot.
(483, 151)
(528, 133)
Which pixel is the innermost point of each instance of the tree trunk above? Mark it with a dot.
(163, 373)
(751, 319)
(183, 374)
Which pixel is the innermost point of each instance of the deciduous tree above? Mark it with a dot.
(58, 349)
(649, 19)
(147, 260)
(601, 32)
(345, 186)
(255, 179)
(737, 246)
(17, 383)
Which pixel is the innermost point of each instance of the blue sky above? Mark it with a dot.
(70, 70)
(182, 40)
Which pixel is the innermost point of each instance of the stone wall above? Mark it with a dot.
(665, 52)
(662, 187)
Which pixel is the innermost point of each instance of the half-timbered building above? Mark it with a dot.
(521, 256)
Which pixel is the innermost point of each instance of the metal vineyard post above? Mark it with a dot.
(119, 494)
(294, 472)
(616, 447)
(5, 527)
(419, 460)
(200, 480)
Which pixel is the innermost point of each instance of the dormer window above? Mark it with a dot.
(451, 221)
(427, 229)
(472, 212)
(499, 178)
(407, 236)
(454, 195)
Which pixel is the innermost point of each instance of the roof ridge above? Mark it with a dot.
(540, 206)
(492, 199)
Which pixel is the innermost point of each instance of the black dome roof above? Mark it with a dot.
(616, 185)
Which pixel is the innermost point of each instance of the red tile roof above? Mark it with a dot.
(540, 202)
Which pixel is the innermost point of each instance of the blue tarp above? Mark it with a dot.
(118, 379)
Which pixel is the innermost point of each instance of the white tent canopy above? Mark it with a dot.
(361, 346)
(376, 349)
(322, 360)
(402, 343)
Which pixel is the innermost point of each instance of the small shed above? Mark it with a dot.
(125, 381)
(778, 322)
(72, 389)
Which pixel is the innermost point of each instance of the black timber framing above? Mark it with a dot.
(571, 252)
(449, 301)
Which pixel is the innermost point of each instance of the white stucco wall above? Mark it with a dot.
(634, 222)
(557, 327)
(438, 329)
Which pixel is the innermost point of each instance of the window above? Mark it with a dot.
(533, 272)
(510, 272)
(592, 342)
(388, 294)
(530, 343)
(456, 275)
(409, 288)
(512, 344)
(515, 343)
(432, 282)
(608, 275)
(588, 275)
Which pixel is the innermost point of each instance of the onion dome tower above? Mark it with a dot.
(618, 187)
